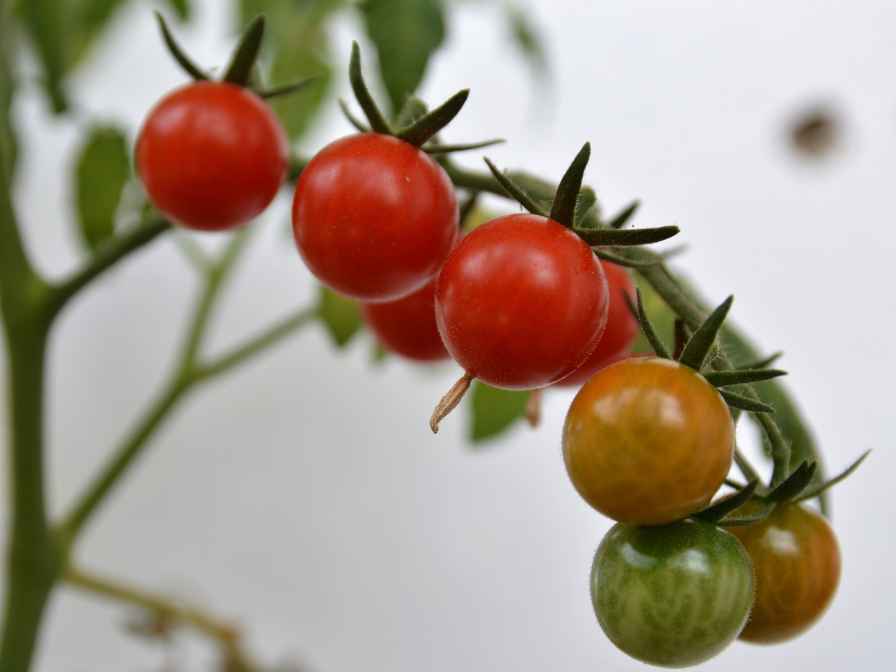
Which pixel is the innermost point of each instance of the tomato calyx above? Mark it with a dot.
(241, 69)
(415, 123)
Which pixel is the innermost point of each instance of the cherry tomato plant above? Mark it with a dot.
(389, 223)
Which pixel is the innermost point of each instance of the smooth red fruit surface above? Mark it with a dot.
(408, 326)
(521, 302)
(796, 559)
(374, 217)
(621, 331)
(211, 155)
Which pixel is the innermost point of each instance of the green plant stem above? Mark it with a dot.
(105, 258)
(32, 555)
(168, 611)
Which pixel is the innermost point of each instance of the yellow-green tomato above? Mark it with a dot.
(673, 595)
(797, 562)
(648, 441)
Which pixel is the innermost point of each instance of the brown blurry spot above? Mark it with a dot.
(815, 133)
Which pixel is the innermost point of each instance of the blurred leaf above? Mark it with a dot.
(8, 144)
(539, 190)
(493, 411)
(101, 172)
(47, 28)
(340, 315)
(378, 354)
(85, 22)
(527, 40)
(405, 33)
(661, 316)
(308, 57)
(182, 8)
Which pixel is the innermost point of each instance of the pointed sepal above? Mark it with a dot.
(817, 490)
(794, 485)
(564, 207)
(515, 191)
(610, 237)
(742, 376)
(621, 219)
(701, 343)
(285, 89)
(246, 53)
(177, 53)
(435, 149)
(376, 119)
(725, 505)
(424, 128)
(359, 125)
(744, 403)
(637, 309)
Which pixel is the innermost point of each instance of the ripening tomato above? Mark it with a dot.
(211, 155)
(408, 326)
(674, 595)
(374, 217)
(621, 332)
(521, 302)
(648, 441)
(797, 563)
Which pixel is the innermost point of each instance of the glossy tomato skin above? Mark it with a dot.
(674, 595)
(648, 441)
(521, 302)
(211, 155)
(797, 562)
(407, 327)
(374, 217)
(620, 333)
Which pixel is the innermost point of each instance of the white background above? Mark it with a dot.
(305, 495)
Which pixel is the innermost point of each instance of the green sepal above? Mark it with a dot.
(539, 190)
(722, 507)
(816, 490)
(624, 259)
(610, 237)
(681, 334)
(340, 316)
(763, 363)
(177, 53)
(431, 123)
(563, 209)
(743, 403)
(375, 118)
(659, 348)
(794, 485)
(244, 56)
(515, 191)
(742, 376)
(701, 343)
(586, 202)
(494, 411)
(763, 511)
(351, 118)
(378, 354)
(413, 110)
(286, 89)
(626, 214)
(450, 149)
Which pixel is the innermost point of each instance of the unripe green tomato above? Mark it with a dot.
(674, 595)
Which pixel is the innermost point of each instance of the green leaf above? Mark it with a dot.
(182, 8)
(340, 315)
(102, 170)
(85, 22)
(527, 40)
(378, 354)
(405, 33)
(494, 411)
(564, 205)
(45, 21)
(308, 57)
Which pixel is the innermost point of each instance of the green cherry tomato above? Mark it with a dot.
(648, 441)
(674, 595)
(797, 562)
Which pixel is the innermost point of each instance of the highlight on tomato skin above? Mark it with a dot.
(674, 595)
(620, 333)
(521, 302)
(648, 441)
(211, 155)
(796, 558)
(374, 217)
(407, 327)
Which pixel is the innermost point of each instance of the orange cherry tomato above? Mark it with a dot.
(648, 441)
(796, 560)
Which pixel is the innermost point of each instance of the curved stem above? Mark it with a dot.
(167, 610)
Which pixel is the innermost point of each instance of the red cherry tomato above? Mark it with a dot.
(408, 326)
(521, 302)
(621, 331)
(374, 217)
(211, 155)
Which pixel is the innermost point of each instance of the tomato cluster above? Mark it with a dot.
(521, 302)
